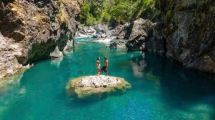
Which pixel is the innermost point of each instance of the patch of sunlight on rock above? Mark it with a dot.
(86, 86)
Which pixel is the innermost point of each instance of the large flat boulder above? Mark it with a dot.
(93, 85)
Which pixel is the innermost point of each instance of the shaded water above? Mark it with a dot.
(161, 90)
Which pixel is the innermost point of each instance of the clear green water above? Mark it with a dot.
(161, 90)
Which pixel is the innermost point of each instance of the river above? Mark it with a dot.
(161, 89)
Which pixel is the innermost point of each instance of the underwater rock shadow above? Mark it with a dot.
(181, 87)
(73, 101)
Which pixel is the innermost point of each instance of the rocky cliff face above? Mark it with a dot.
(138, 33)
(31, 29)
(189, 30)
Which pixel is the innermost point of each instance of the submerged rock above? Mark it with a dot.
(57, 61)
(93, 85)
(9, 82)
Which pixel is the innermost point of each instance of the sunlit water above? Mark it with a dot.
(161, 90)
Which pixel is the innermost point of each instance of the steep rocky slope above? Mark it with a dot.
(31, 29)
(185, 31)
(138, 33)
(189, 30)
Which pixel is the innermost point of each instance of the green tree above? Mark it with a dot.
(120, 11)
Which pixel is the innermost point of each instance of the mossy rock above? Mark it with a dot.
(77, 88)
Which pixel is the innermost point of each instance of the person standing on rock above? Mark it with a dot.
(98, 65)
(105, 67)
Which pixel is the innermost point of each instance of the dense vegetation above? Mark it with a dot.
(119, 11)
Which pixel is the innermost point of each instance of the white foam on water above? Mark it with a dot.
(106, 40)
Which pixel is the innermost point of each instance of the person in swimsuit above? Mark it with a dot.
(105, 67)
(98, 65)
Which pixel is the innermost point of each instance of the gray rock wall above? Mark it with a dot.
(189, 30)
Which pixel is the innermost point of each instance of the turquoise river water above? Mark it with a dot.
(161, 89)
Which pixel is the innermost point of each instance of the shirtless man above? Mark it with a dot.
(98, 65)
(105, 67)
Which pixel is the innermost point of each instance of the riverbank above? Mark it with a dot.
(131, 36)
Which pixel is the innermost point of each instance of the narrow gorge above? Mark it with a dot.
(107, 59)
(31, 30)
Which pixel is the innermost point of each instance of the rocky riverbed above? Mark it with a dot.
(93, 85)
(131, 36)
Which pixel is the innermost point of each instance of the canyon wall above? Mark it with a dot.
(31, 29)
(183, 30)
(188, 27)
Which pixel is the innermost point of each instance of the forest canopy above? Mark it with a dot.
(119, 11)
